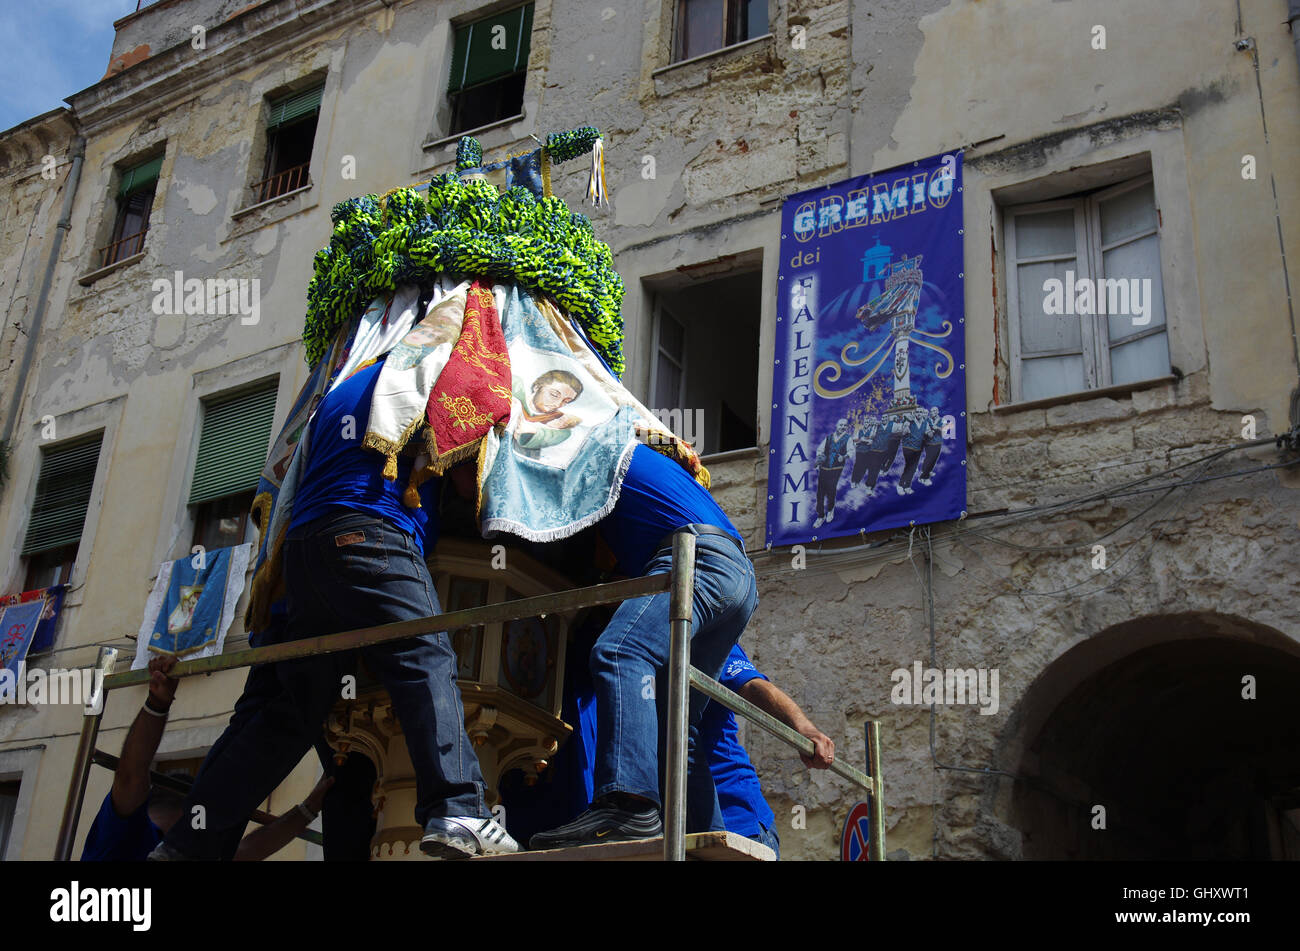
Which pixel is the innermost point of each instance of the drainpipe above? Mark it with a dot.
(1293, 16)
(42, 299)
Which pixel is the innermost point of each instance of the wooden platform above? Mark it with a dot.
(702, 847)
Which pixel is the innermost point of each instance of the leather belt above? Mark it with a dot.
(696, 528)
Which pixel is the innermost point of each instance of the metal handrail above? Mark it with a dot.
(682, 677)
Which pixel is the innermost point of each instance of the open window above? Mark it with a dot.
(703, 26)
(290, 134)
(704, 378)
(63, 488)
(489, 63)
(234, 437)
(134, 199)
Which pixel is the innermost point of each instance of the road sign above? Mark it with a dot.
(856, 835)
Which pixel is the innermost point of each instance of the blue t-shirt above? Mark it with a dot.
(114, 838)
(339, 473)
(739, 792)
(658, 497)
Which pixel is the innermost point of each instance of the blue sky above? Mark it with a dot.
(50, 49)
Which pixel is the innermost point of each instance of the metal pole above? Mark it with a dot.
(85, 748)
(877, 844)
(679, 653)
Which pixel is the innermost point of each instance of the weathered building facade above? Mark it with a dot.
(1155, 679)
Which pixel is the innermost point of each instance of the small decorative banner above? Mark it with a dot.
(52, 597)
(192, 605)
(18, 624)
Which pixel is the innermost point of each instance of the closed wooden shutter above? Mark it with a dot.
(233, 441)
(62, 495)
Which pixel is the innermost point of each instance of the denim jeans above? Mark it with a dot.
(343, 571)
(633, 649)
(769, 838)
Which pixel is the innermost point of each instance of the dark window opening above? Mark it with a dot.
(704, 379)
(707, 25)
(224, 522)
(290, 135)
(135, 197)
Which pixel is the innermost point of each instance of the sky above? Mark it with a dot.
(50, 49)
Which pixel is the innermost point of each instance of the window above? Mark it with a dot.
(233, 441)
(707, 25)
(8, 806)
(63, 487)
(705, 376)
(1084, 295)
(290, 133)
(135, 194)
(488, 64)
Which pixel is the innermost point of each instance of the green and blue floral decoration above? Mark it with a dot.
(496, 221)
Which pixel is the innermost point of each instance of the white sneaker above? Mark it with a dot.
(457, 837)
(818, 523)
(901, 490)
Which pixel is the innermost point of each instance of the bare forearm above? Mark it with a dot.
(131, 781)
(271, 838)
(772, 699)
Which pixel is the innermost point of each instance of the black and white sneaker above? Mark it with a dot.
(601, 824)
(458, 837)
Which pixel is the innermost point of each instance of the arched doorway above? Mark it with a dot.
(1151, 721)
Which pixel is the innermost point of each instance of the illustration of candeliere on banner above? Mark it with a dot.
(869, 386)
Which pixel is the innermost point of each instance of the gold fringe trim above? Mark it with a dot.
(260, 511)
(267, 587)
(440, 462)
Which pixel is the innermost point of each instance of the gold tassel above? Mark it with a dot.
(390, 466)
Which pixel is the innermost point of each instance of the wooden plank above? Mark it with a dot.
(700, 846)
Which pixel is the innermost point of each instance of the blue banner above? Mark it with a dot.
(18, 624)
(190, 616)
(869, 385)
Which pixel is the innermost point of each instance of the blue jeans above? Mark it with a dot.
(343, 571)
(769, 838)
(633, 649)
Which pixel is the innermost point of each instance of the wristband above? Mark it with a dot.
(306, 812)
(151, 709)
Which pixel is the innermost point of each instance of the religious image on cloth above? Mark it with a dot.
(192, 604)
(869, 390)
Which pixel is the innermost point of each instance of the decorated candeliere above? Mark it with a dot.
(497, 313)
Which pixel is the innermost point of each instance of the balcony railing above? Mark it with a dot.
(281, 183)
(122, 248)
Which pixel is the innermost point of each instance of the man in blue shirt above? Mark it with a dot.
(744, 810)
(134, 816)
(353, 557)
(657, 499)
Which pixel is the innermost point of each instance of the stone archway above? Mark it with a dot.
(1148, 720)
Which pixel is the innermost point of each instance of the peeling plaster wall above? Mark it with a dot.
(729, 135)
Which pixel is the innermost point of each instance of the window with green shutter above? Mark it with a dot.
(63, 486)
(135, 194)
(290, 135)
(233, 441)
(489, 62)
